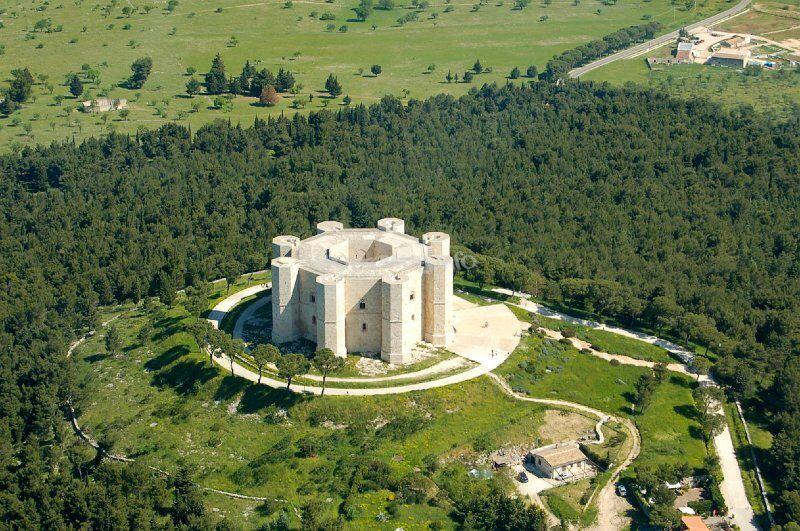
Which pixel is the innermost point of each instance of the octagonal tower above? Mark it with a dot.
(363, 290)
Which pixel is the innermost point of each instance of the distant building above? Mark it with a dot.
(684, 53)
(736, 42)
(562, 462)
(103, 105)
(730, 58)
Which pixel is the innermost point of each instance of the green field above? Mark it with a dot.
(274, 34)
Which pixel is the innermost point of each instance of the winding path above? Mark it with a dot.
(732, 485)
(645, 47)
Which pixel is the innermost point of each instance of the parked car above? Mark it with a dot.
(621, 490)
(523, 477)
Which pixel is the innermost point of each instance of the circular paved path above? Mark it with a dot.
(485, 335)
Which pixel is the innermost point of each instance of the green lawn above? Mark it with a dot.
(626, 346)
(274, 34)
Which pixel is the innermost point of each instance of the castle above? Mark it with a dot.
(363, 290)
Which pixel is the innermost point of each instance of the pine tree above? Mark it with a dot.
(75, 86)
(216, 82)
(333, 86)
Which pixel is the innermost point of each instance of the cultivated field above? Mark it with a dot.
(83, 36)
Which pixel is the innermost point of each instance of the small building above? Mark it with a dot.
(693, 523)
(564, 462)
(103, 105)
(737, 41)
(730, 58)
(685, 52)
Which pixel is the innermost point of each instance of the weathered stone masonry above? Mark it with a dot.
(363, 290)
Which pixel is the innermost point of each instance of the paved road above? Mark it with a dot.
(657, 42)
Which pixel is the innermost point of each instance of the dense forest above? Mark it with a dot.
(674, 215)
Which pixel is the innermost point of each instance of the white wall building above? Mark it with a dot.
(363, 290)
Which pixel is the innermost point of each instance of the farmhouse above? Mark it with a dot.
(737, 41)
(103, 105)
(730, 58)
(684, 53)
(563, 461)
(363, 290)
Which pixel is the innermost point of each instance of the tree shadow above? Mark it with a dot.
(229, 387)
(696, 433)
(166, 358)
(681, 382)
(258, 397)
(185, 376)
(94, 358)
(686, 411)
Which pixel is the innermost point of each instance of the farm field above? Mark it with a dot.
(54, 39)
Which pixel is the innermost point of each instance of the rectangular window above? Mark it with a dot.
(362, 305)
(313, 298)
(363, 327)
(411, 297)
(313, 319)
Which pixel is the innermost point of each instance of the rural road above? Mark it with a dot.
(633, 51)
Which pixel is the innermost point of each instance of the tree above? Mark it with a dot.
(75, 86)
(140, 71)
(707, 403)
(700, 366)
(326, 361)
(467, 77)
(21, 85)
(264, 354)
(187, 504)
(269, 96)
(291, 365)
(332, 86)
(347, 100)
(376, 70)
(363, 9)
(113, 341)
(193, 87)
(477, 67)
(645, 387)
(234, 348)
(145, 333)
(386, 5)
(216, 82)
(515, 73)
(284, 81)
